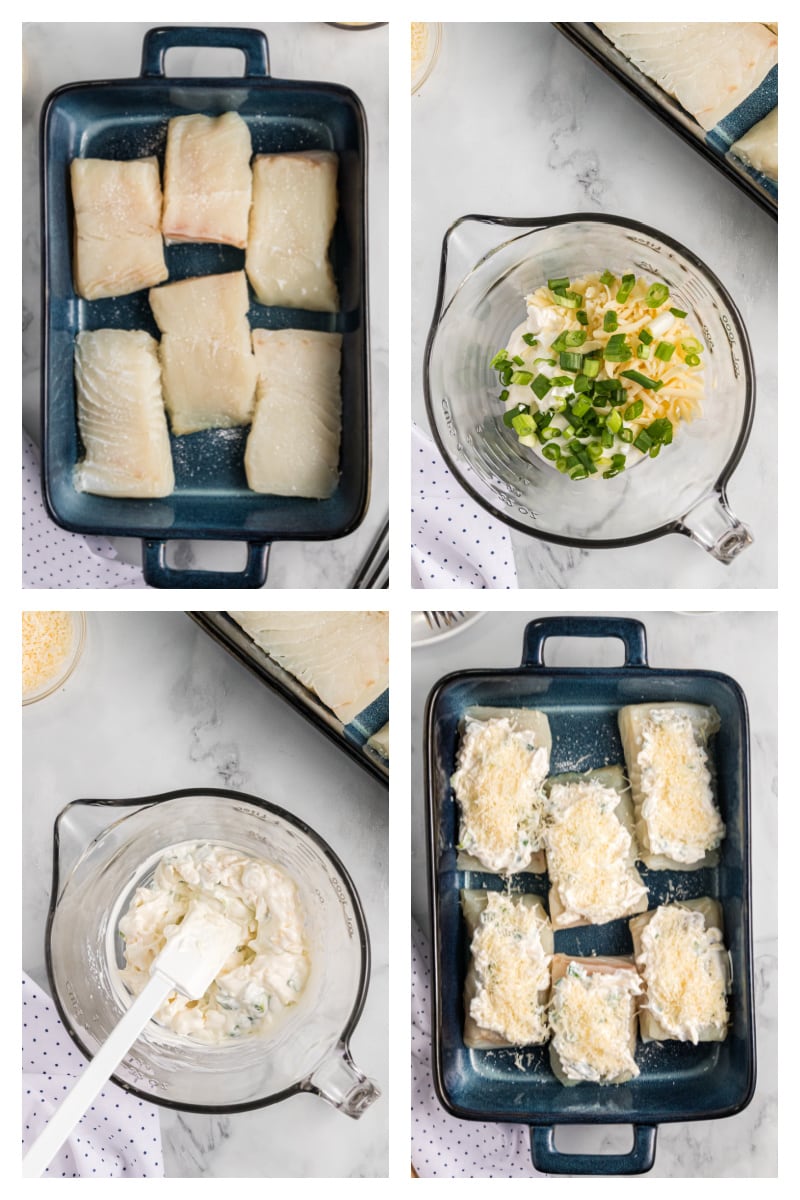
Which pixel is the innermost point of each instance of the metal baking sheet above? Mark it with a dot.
(352, 739)
(713, 144)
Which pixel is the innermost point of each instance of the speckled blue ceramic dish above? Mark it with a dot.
(678, 1082)
(128, 119)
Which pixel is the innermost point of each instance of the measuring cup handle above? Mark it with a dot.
(548, 1159)
(158, 574)
(252, 43)
(340, 1082)
(630, 632)
(714, 527)
(466, 242)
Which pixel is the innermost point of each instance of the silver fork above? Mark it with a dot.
(443, 620)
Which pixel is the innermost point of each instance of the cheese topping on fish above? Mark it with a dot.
(682, 820)
(591, 1015)
(511, 969)
(684, 966)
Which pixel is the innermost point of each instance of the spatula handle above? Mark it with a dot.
(99, 1070)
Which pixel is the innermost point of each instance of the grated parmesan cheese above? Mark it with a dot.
(419, 46)
(591, 1015)
(679, 810)
(511, 969)
(498, 784)
(684, 968)
(588, 853)
(46, 644)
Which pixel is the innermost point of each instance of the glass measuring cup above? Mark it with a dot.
(488, 266)
(104, 850)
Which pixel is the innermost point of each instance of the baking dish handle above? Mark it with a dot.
(551, 1161)
(252, 43)
(158, 574)
(630, 632)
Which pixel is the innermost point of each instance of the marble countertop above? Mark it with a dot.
(743, 645)
(516, 121)
(56, 54)
(156, 705)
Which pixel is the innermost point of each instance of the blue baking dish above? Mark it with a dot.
(678, 1082)
(128, 118)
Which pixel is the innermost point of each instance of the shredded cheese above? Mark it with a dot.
(498, 784)
(419, 46)
(684, 968)
(591, 1015)
(682, 819)
(511, 970)
(46, 643)
(588, 854)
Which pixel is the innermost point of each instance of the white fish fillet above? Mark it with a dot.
(118, 247)
(291, 223)
(121, 415)
(209, 372)
(207, 180)
(710, 67)
(343, 657)
(293, 446)
(759, 146)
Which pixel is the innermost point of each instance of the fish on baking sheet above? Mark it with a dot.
(207, 180)
(341, 656)
(293, 446)
(118, 247)
(758, 148)
(121, 415)
(710, 67)
(209, 372)
(291, 223)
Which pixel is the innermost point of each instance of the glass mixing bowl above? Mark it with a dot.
(104, 850)
(488, 266)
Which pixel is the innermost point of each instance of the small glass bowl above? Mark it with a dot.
(430, 57)
(67, 665)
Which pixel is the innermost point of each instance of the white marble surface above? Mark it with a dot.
(516, 121)
(55, 54)
(156, 705)
(743, 645)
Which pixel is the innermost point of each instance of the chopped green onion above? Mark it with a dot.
(499, 359)
(582, 317)
(575, 337)
(522, 378)
(625, 435)
(591, 367)
(617, 342)
(610, 321)
(523, 424)
(657, 293)
(582, 384)
(529, 339)
(551, 452)
(652, 385)
(568, 299)
(541, 386)
(520, 362)
(610, 473)
(581, 406)
(678, 312)
(626, 288)
(607, 438)
(618, 461)
(654, 450)
(559, 343)
(561, 381)
(504, 394)
(551, 362)
(643, 441)
(661, 431)
(505, 375)
(570, 361)
(620, 356)
(614, 422)
(692, 360)
(578, 473)
(607, 278)
(692, 346)
(634, 410)
(569, 432)
(549, 432)
(558, 283)
(665, 351)
(518, 410)
(558, 403)
(643, 351)
(595, 450)
(645, 336)
(561, 463)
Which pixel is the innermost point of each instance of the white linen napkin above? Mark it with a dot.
(454, 542)
(54, 558)
(443, 1147)
(120, 1135)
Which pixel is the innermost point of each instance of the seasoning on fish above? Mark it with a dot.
(207, 180)
(293, 446)
(118, 247)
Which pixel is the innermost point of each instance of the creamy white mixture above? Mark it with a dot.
(268, 970)
(682, 819)
(511, 969)
(685, 967)
(591, 1015)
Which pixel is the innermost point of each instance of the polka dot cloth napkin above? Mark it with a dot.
(54, 558)
(119, 1137)
(441, 1146)
(454, 542)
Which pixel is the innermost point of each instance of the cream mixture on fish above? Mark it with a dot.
(269, 968)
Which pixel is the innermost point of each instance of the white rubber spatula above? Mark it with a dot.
(188, 963)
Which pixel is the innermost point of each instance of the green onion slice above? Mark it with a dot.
(626, 288)
(679, 313)
(520, 362)
(643, 441)
(523, 424)
(614, 422)
(645, 336)
(504, 394)
(529, 339)
(610, 321)
(665, 351)
(568, 299)
(625, 434)
(551, 451)
(558, 283)
(570, 361)
(607, 278)
(652, 385)
(634, 410)
(692, 360)
(499, 359)
(522, 378)
(575, 337)
(541, 386)
(657, 293)
(591, 367)
(582, 317)
(561, 381)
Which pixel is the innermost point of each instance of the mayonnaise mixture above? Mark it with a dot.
(679, 810)
(591, 1016)
(685, 967)
(266, 973)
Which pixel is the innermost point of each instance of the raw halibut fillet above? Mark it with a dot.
(121, 415)
(759, 146)
(710, 67)
(343, 657)
(207, 180)
(118, 247)
(291, 223)
(209, 372)
(293, 446)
